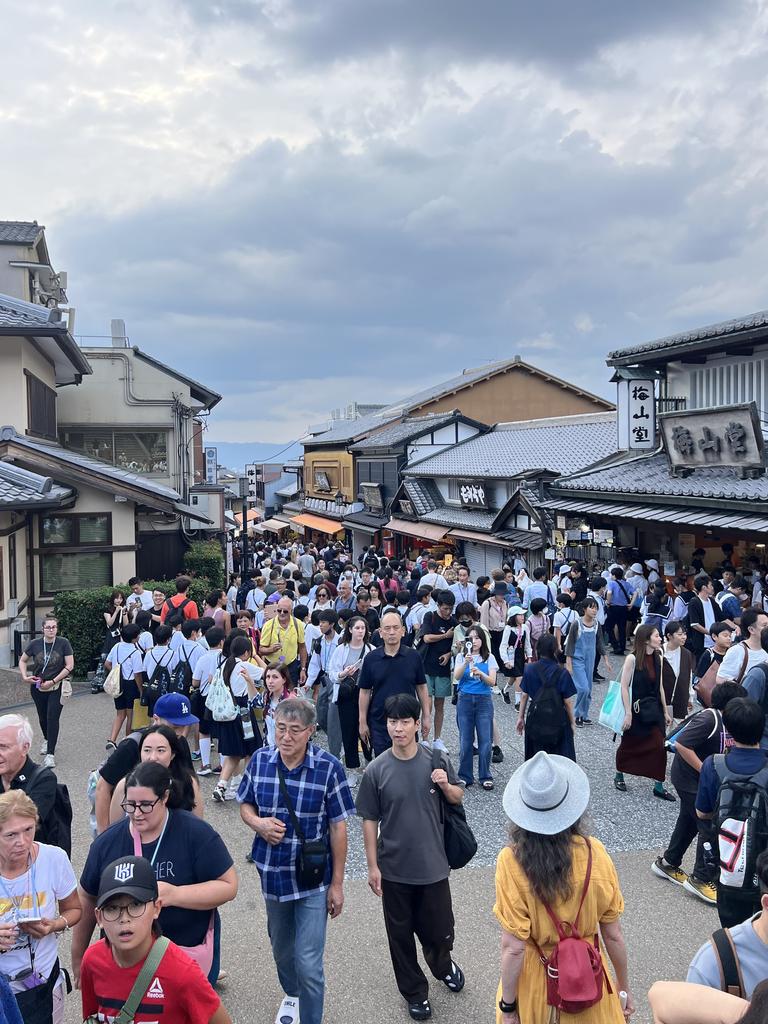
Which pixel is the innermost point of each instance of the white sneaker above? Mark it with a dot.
(49, 761)
(353, 778)
(439, 745)
(288, 1012)
(44, 747)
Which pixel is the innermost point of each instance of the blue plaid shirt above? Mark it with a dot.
(320, 794)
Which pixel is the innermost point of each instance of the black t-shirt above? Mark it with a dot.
(48, 659)
(126, 757)
(706, 659)
(190, 852)
(386, 675)
(433, 623)
(371, 617)
(704, 735)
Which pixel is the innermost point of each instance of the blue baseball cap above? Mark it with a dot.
(174, 708)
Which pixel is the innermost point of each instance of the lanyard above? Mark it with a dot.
(137, 840)
(47, 656)
(16, 901)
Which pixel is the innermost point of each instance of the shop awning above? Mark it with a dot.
(712, 518)
(252, 517)
(317, 523)
(273, 525)
(478, 538)
(426, 530)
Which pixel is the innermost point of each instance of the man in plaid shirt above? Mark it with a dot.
(322, 801)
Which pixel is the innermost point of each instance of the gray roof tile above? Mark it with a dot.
(19, 487)
(649, 474)
(424, 494)
(724, 328)
(401, 432)
(14, 313)
(562, 445)
(465, 518)
(19, 232)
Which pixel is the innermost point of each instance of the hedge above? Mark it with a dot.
(81, 616)
(205, 560)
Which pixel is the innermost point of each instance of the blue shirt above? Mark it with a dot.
(730, 607)
(619, 599)
(469, 683)
(744, 760)
(320, 794)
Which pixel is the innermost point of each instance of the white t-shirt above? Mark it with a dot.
(564, 618)
(144, 599)
(205, 669)
(146, 641)
(162, 655)
(54, 879)
(232, 600)
(241, 673)
(434, 580)
(254, 599)
(128, 657)
(187, 650)
(730, 667)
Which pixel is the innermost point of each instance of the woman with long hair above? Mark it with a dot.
(243, 673)
(475, 672)
(344, 672)
(160, 744)
(552, 867)
(216, 609)
(550, 729)
(116, 616)
(516, 652)
(278, 686)
(641, 751)
(656, 607)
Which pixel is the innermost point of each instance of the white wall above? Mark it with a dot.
(439, 440)
(722, 380)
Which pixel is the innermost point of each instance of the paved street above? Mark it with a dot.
(664, 925)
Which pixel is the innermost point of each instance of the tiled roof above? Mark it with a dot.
(649, 474)
(562, 445)
(725, 328)
(20, 488)
(470, 519)
(19, 232)
(75, 459)
(15, 313)
(400, 432)
(424, 494)
(348, 430)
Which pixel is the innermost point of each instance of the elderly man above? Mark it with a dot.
(291, 782)
(282, 642)
(346, 598)
(19, 771)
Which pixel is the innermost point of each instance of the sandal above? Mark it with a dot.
(455, 980)
(620, 784)
(487, 784)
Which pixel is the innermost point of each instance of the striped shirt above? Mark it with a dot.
(320, 794)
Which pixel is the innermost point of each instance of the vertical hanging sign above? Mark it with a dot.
(636, 415)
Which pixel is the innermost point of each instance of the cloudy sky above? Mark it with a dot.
(307, 202)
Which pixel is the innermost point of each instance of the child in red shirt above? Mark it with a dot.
(127, 908)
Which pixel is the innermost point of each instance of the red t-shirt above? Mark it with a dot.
(190, 610)
(178, 993)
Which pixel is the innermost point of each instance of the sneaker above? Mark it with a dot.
(353, 778)
(219, 793)
(231, 794)
(204, 770)
(455, 980)
(49, 761)
(289, 1011)
(420, 1011)
(195, 755)
(109, 746)
(439, 745)
(706, 891)
(497, 755)
(505, 695)
(664, 870)
(44, 747)
(517, 703)
(216, 769)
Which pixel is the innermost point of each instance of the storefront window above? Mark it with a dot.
(62, 565)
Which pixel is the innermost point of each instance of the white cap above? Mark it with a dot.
(652, 563)
(563, 569)
(636, 567)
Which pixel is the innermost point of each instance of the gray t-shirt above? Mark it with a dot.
(752, 954)
(754, 683)
(402, 797)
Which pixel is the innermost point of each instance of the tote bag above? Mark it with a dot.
(612, 713)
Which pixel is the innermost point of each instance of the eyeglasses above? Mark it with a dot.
(113, 912)
(292, 730)
(145, 806)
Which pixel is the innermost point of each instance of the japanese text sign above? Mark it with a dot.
(636, 410)
(729, 436)
(472, 494)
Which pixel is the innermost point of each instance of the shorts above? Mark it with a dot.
(128, 694)
(439, 686)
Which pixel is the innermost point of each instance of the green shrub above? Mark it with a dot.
(204, 559)
(81, 616)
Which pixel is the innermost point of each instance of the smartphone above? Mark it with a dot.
(29, 919)
(468, 648)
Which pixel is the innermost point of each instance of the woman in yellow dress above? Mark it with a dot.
(545, 863)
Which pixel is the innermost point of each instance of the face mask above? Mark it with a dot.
(465, 622)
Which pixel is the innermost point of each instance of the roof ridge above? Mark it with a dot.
(570, 420)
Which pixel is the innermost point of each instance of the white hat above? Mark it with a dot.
(636, 567)
(652, 563)
(515, 610)
(565, 568)
(612, 566)
(546, 794)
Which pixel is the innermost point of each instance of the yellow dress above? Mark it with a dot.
(522, 914)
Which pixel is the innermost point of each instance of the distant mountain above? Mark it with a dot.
(235, 454)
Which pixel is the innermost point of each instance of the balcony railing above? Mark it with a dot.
(670, 404)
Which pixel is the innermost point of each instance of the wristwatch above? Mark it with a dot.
(508, 1007)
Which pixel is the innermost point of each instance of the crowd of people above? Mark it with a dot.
(368, 652)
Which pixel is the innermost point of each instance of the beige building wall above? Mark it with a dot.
(515, 394)
(16, 356)
(338, 467)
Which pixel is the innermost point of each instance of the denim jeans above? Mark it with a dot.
(582, 680)
(297, 933)
(474, 712)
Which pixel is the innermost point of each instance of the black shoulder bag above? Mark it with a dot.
(313, 856)
(458, 839)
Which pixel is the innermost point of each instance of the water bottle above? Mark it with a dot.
(709, 858)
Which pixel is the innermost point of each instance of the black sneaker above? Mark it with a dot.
(497, 755)
(505, 695)
(455, 980)
(420, 1011)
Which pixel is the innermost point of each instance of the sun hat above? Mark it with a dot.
(564, 568)
(546, 794)
(636, 567)
(127, 876)
(499, 589)
(652, 563)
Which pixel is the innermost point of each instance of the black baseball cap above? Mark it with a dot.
(128, 876)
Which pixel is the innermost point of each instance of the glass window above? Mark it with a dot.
(58, 530)
(75, 571)
(140, 451)
(73, 530)
(93, 529)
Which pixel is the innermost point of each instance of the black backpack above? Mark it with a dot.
(545, 720)
(173, 609)
(160, 681)
(458, 839)
(741, 821)
(182, 674)
(57, 828)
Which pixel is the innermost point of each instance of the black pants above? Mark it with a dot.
(687, 828)
(48, 704)
(616, 623)
(349, 718)
(735, 907)
(424, 912)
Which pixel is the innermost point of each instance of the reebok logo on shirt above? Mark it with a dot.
(155, 990)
